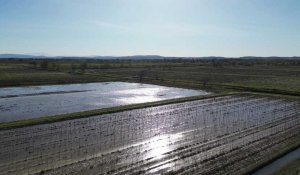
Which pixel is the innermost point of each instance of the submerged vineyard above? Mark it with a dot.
(220, 135)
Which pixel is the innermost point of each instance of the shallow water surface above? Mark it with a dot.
(18, 103)
(195, 137)
(279, 163)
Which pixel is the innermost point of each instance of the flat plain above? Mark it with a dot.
(251, 119)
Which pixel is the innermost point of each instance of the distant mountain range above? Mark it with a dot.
(20, 56)
(81, 57)
(134, 57)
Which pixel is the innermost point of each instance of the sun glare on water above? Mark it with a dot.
(161, 145)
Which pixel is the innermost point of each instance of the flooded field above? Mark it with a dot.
(36, 101)
(211, 136)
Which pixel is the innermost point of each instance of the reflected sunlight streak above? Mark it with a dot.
(161, 145)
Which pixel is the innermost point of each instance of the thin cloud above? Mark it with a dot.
(172, 29)
(108, 25)
(149, 28)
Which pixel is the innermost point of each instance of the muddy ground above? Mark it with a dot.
(223, 135)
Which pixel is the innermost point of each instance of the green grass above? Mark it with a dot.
(291, 83)
(268, 75)
(20, 75)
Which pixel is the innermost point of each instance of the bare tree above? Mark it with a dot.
(83, 67)
(34, 64)
(205, 81)
(73, 68)
(141, 75)
(44, 65)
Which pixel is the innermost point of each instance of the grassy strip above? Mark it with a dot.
(215, 87)
(65, 82)
(69, 116)
(263, 90)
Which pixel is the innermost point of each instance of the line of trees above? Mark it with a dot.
(57, 66)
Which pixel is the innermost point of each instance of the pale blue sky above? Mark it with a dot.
(229, 28)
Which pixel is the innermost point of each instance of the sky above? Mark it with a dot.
(230, 28)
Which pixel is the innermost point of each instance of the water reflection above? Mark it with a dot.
(142, 91)
(159, 148)
(37, 101)
(162, 144)
(137, 99)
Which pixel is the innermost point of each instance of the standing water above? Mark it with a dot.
(279, 163)
(19, 103)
